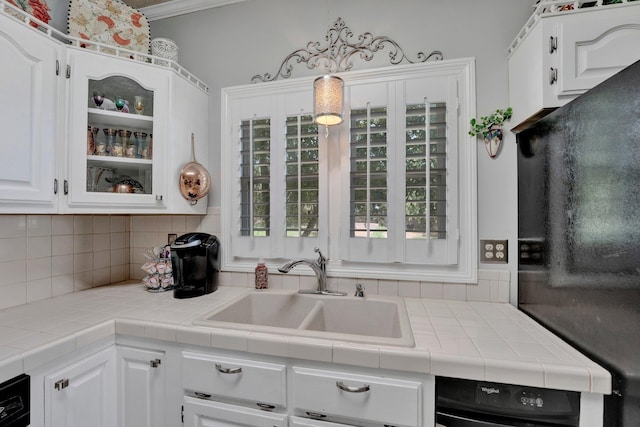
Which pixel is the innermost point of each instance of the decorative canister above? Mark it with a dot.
(164, 48)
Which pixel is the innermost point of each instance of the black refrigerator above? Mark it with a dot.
(579, 231)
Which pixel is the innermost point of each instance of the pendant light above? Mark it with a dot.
(328, 100)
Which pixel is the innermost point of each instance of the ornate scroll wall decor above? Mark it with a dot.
(338, 54)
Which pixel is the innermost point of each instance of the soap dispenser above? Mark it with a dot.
(262, 275)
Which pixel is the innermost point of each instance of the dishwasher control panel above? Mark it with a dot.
(484, 401)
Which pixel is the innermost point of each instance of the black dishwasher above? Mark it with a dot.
(15, 406)
(467, 403)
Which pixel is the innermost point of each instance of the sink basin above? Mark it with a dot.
(373, 319)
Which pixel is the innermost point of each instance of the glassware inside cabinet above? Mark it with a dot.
(119, 136)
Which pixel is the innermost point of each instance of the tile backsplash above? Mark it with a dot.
(47, 255)
(42, 256)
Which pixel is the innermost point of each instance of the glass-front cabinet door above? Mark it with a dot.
(117, 134)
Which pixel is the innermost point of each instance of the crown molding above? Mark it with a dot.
(180, 7)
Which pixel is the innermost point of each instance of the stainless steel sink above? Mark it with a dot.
(374, 319)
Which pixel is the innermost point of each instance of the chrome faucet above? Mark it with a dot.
(319, 267)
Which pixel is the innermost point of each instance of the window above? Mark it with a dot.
(426, 171)
(255, 177)
(388, 193)
(302, 182)
(368, 169)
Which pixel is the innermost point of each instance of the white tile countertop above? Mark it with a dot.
(473, 340)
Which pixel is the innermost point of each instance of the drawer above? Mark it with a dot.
(199, 413)
(337, 396)
(231, 378)
(306, 422)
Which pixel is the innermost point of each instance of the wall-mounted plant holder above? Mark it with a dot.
(490, 129)
(493, 140)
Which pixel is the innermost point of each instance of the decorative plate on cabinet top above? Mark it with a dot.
(38, 8)
(109, 22)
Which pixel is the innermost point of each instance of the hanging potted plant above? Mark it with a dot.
(490, 129)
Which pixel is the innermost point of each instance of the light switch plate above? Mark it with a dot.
(494, 251)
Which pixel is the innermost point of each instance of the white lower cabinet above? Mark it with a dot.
(206, 413)
(146, 383)
(255, 383)
(82, 394)
(346, 397)
(141, 387)
(306, 422)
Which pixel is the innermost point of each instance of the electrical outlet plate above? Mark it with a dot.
(494, 251)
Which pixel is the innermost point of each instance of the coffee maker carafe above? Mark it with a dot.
(194, 258)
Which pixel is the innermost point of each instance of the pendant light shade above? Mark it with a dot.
(328, 100)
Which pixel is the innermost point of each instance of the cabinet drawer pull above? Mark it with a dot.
(155, 363)
(202, 395)
(350, 389)
(265, 406)
(316, 415)
(222, 370)
(61, 384)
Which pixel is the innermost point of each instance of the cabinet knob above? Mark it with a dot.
(155, 363)
(158, 197)
(553, 75)
(61, 384)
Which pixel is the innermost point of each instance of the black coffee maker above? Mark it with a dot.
(194, 258)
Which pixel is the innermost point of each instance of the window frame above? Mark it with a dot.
(280, 98)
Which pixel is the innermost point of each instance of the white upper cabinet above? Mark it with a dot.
(559, 55)
(188, 114)
(125, 166)
(28, 118)
(67, 154)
